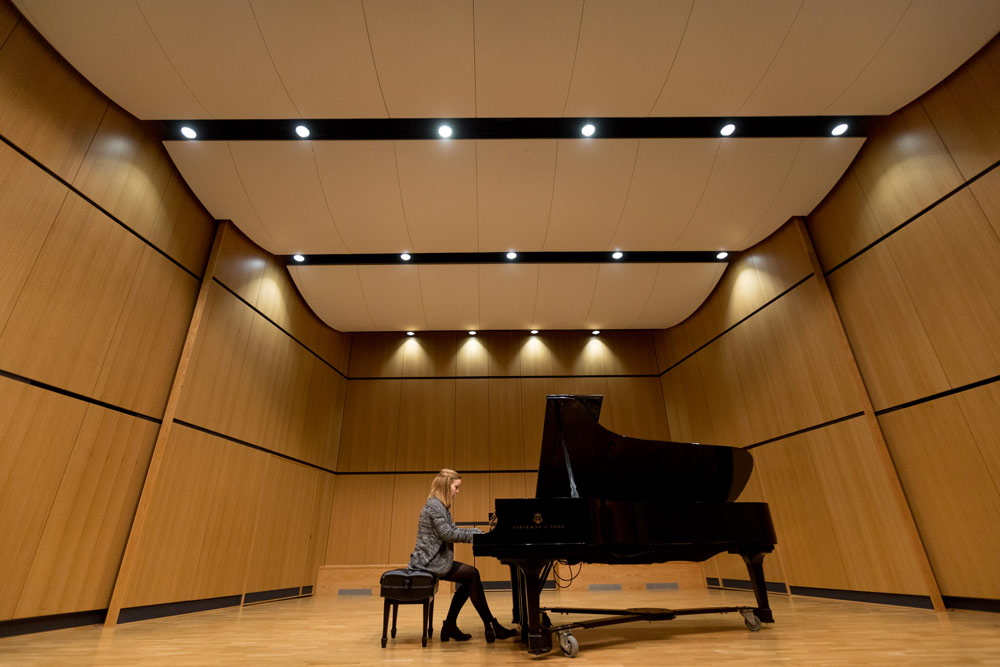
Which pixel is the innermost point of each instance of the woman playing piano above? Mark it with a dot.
(434, 553)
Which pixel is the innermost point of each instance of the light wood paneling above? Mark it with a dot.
(431, 355)
(537, 353)
(952, 487)
(361, 520)
(533, 393)
(503, 352)
(37, 432)
(182, 227)
(241, 265)
(965, 110)
(843, 223)
(472, 358)
(409, 494)
(506, 434)
(79, 552)
(47, 109)
(987, 193)
(213, 381)
(320, 532)
(148, 338)
(377, 355)
(426, 425)
(633, 577)
(371, 426)
(200, 526)
(629, 353)
(472, 424)
(29, 202)
(731, 566)
(8, 19)
(686, 404)
(638, 408)
(61, 328)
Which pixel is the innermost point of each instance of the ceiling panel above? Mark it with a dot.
(437, 180)
(361, 185)
(524, 56)
(334, 293)
(515, 180)
(424, 56)
(450, 296)
(565, 292)
(621, 295)
(507, 295)
(592, 180)
(677, 292)
(624, 52)
(320, 50)
(392, 297)
(726, 49)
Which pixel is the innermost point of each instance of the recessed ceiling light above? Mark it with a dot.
(512, 255)
(839, 130)
(189, 132)
(596, 331)
(727, 129)
(587, 130)
(409, 333)
(298, 258)
(472, 333)
(722, 255)
(534, 332)
(302, 131)
(444, 131)
(405, 257)
(617, 254)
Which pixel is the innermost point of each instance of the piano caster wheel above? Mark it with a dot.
(751, 620)
(568, 643)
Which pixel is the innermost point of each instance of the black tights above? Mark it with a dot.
(469, 586)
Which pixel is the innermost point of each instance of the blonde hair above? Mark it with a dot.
(441, 486)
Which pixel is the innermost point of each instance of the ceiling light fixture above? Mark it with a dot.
(302, 131)
(722, 255)
(298, 258)
(588, 130)
(410, 333)
(512, 255)
(444, 131)
(188, 132)
(472, 333)
(405, 257)
(727, 129)
(617, 254)
(595, 332)
(839, 130)
(534, 332)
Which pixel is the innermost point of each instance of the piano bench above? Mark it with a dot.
(408, 587)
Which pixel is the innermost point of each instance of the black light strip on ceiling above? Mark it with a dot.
(355, 129)
(598, 257)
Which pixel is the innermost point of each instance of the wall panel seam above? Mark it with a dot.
(251, 445)
(93, 203)
(914, 217)
(80, 397)
(807, 429)
(940, 394)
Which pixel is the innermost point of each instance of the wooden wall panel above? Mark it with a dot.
(201, 520)
(61, 328)
(29, 202)
(472, 424)
(361, 519)
(686, 404)
(987, 193)
(843, 223)
(965, 111)
(506, 432)
(377, 355)
(730, 566)
(426, 425)
(431, 355)
(320, 533)
(629, 353)
(533, 393)
(638, 408)
(47, 109)
(8, 19)
(37, 432)
(952, 487)
(409, 494)
(78, 555)
(371, 426)
(472, 358)
(324, 416)
(503, 352)
(213, 378)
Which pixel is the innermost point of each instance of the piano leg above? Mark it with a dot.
(538, 639)
(515, 610)
(755, 566)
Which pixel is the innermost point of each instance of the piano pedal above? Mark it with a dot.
(568, 643)
(750, 619)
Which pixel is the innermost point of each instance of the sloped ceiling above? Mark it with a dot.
(307, 59)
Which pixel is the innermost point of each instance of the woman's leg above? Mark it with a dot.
(470, 587)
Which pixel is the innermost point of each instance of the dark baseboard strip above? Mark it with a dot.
(895, 599)
(428, 472)
(132, 614)
(27, 626)
(940, 394)
(253, 446)
(733, 326)
(79, 397)
(747, 585)
(713, 582)
(307, 590)
(662, 586)
(278, 326)
(805, 430)
(267, 596)
(913, 218)
(972, 604)
(72, 188)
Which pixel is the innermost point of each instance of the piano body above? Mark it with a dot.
(607, 498)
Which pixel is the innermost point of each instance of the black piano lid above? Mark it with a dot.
(610, 466)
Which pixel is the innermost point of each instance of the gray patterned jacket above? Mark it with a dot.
(435, 534)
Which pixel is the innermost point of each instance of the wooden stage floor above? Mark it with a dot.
(346, 631)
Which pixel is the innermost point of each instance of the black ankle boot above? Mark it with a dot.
(496, 631)
(451, 631)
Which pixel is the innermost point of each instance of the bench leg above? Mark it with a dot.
(430, 620)
(423, 630)
(385, 620)
(395, 611)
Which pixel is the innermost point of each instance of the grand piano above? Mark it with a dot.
(607, 498)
